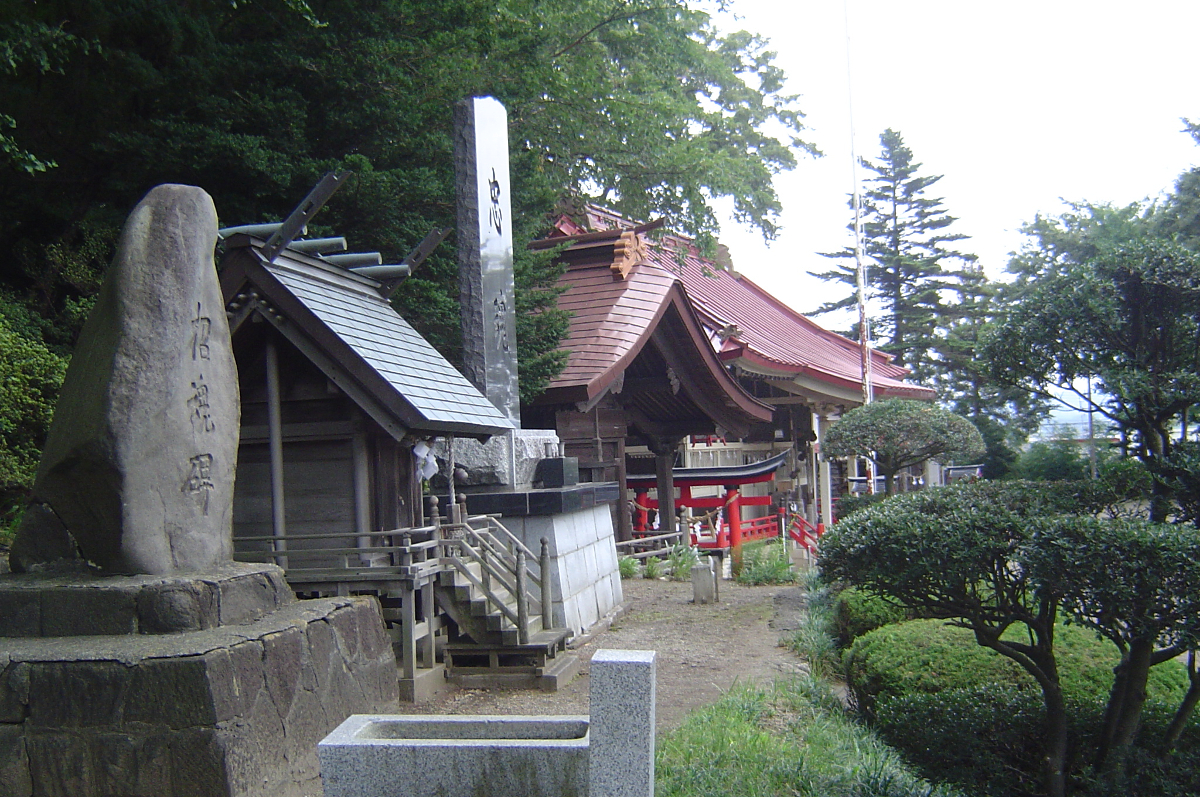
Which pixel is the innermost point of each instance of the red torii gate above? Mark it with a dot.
(735, 530)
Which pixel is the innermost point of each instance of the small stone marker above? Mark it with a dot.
(137, 472)
(621, 749)
(704, 582)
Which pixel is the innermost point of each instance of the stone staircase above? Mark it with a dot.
(463, 598)
(502, 631)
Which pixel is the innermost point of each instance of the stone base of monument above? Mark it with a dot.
(205, 684)
(585, 578)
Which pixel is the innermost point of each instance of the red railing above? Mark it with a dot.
(804, 533)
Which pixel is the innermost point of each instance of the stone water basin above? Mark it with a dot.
(447, 756)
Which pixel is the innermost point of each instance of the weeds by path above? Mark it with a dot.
(793, 739)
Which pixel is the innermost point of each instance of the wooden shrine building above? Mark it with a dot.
(337, 389)
(640, 365)
(806, 374)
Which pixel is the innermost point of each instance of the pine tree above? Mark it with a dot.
(906, 246)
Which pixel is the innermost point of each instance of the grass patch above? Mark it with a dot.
(766, 563)
(680, 562)
(813, 640)
(627, 566)
(792, 739)
(652, 567)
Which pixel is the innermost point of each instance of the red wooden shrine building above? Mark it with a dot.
(666, 344)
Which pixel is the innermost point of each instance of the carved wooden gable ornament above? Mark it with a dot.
(630, 250)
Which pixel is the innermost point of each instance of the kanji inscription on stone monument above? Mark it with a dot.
(137, 472)
(485, 251)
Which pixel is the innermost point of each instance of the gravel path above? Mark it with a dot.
(702, 651)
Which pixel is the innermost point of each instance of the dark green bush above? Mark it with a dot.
(965, 715)
(930, 656)
(986, 738)
(857, 611)
(849, 504)
(1177, 775)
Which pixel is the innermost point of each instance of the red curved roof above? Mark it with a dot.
(772, 337)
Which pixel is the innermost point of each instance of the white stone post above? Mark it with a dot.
(621, 733)
(826, 475)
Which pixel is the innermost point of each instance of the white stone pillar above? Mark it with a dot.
(826, 475)
(933, 473)
(621, 728)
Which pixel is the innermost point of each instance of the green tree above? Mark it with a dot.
(1180, 215)
(641, 104)
(1057, 459)
(1004, 415)
(898, 433)
(1127, 317)
(994, 556)
(906, 242)
(30, 376)
(1138, 585)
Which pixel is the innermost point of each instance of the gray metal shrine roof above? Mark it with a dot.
(346, 326)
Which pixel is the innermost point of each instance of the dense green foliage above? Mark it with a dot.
(987, 739)
(898, 433)
(30, 375)
(857, 611)
(964, 715)
(1053, 460)
(1102, 294)
(998, 557)
(852, 502)
(930, 655)
(641, 104)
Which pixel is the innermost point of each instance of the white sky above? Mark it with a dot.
(1017, 104)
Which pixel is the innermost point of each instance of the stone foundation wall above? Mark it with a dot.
(587, 583)
(230, 710)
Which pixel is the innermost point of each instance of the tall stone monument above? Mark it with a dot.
(486, 294)
(136, 658)
(485, 252)
(137, 472)
(520, 475)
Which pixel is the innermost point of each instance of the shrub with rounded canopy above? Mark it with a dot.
(897, 433)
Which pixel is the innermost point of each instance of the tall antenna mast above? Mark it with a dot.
(864, 327)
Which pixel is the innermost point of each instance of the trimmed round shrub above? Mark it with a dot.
(857, 611)
(930, 656)
(987, 739)
(963, 714)
(849, 504)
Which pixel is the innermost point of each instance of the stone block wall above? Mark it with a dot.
(586, 581)
(230, 710)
